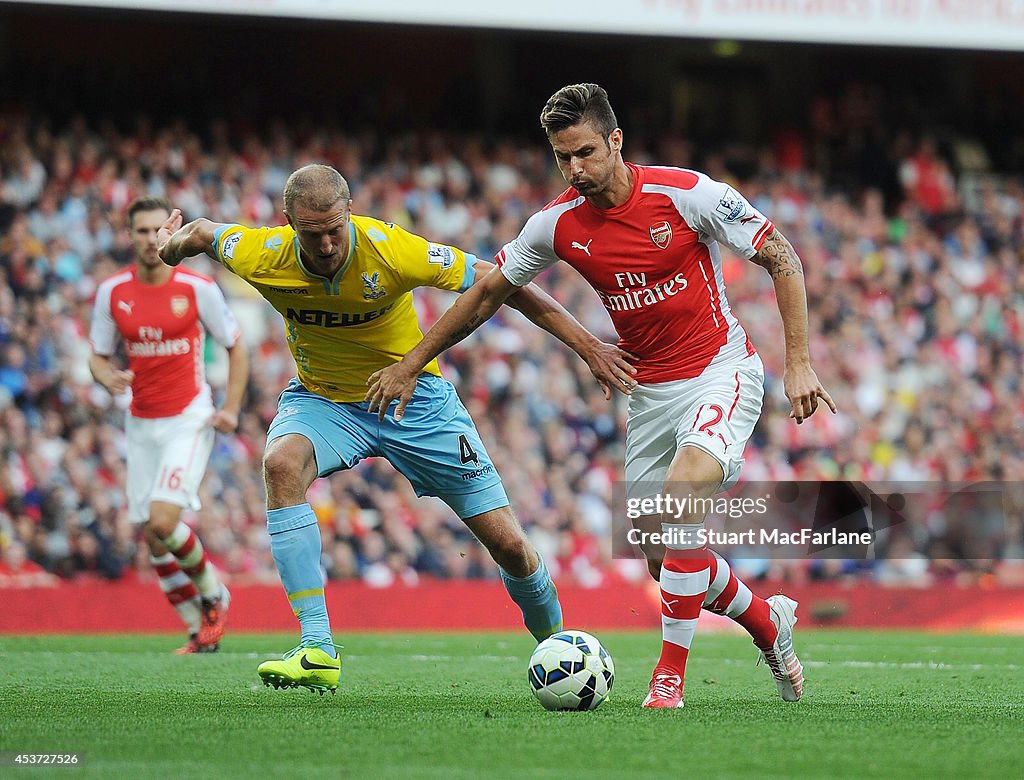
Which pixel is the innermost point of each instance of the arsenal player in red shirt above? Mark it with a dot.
(647, 240)
(162, 315)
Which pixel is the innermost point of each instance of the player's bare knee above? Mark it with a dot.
(514, 554)
(156, 531)
(288, 470)
(505, 540)
(279, 468)
(153, 538)
(163, 519)
(697, 469)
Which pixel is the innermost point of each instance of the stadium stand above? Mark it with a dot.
(915, 288)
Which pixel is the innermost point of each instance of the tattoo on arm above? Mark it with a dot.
(778, 257)
(472, 324)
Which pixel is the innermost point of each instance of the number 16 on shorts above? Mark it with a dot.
(170, 479)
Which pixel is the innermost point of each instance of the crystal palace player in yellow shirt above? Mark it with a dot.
(343, 284)
(343, 327)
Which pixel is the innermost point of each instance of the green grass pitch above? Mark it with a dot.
(458, 706)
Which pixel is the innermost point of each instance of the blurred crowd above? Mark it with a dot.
(912, 252)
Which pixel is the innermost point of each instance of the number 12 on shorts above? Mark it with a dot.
(708, 417)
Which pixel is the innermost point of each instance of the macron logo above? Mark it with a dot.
(127, 307)
(583, 247)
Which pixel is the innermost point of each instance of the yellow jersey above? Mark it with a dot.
(343, 329)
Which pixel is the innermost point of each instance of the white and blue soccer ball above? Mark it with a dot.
(571, 670)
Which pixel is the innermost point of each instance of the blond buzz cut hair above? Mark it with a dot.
(317, 187)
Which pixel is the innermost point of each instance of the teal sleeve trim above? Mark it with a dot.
(470, 275)
(218, 233)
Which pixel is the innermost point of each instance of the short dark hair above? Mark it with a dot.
(578, 103)
(147, 203)
(315, 186)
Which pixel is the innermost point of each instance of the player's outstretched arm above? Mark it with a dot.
(473, 308)
(607, 362)
(174, 243)
(803, 389)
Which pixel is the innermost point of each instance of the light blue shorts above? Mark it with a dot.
(436, 446)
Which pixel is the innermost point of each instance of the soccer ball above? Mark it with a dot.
(570, 670)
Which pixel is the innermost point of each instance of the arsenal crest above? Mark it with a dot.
(661, 235)
(179, 305)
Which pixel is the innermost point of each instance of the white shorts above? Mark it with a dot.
(716, 411)
(167, 457)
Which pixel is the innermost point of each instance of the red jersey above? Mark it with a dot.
(655, 263)
(163, 327)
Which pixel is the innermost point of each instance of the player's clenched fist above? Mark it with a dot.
(225, 421)
(120, 381)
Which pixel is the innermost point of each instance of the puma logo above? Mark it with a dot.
(668, 604)
(583, 247)
(126, 306)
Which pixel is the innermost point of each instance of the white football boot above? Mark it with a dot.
(781, 659)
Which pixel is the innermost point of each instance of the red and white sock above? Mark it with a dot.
(685, 576)
(728, 596)
(186, 547)
(179, 589)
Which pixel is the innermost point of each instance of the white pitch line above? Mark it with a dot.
(814, 664)
(504, 658)
(824, 648)
(928, 665)
(931, 665)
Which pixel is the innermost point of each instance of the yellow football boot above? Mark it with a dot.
(306, 667)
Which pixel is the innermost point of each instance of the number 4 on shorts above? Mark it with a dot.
(466, 452)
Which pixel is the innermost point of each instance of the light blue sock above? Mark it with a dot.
(295, 545)
(537, 597)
